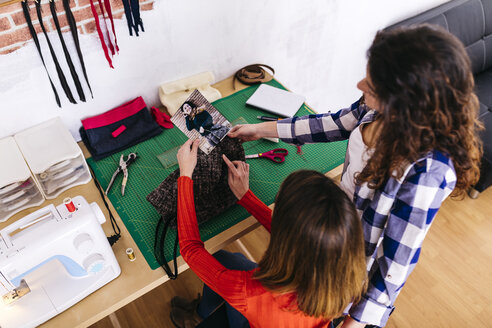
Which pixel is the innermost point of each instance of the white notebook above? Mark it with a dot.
(276, 101)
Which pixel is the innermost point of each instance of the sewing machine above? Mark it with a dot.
(50, 260)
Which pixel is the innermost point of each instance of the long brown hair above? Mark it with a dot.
(316, 247)
(422, 78)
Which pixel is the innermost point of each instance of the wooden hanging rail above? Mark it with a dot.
(8, 2)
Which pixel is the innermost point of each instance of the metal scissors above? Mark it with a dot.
(277, 155)
(123, 167)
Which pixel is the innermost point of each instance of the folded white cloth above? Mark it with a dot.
(174, 94)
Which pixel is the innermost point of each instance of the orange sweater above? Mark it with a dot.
(262, 308)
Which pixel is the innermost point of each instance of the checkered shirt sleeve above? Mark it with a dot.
(322, 127)
(407, 207)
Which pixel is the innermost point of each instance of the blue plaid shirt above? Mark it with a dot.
(395, 217)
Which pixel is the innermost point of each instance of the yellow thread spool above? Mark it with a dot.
(130, 254)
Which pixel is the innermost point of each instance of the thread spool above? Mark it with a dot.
(130, 254)
(69, 204)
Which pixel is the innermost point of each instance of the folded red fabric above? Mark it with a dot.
(161, 118)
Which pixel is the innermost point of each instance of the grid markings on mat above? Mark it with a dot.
(140, 218)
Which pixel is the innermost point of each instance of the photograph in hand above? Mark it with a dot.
(198, 119)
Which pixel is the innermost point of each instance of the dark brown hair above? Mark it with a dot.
(316, 247)
(422, 78)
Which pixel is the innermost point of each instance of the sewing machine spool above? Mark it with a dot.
(130, 254)
(69, 204)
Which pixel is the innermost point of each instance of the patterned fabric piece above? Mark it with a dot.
(395, 218)
(212, 193)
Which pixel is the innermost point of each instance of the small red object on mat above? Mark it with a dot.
(161, 118)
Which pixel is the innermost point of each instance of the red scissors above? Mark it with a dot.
(277, 155)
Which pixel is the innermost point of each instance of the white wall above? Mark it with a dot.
(316, 47)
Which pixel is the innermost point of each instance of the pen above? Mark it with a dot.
(267, 118)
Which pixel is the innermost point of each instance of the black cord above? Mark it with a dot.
(159, 244)
(117, 232)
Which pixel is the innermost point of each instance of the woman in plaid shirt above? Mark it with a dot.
(412, 142)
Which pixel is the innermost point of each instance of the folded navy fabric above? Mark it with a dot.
(118, 129)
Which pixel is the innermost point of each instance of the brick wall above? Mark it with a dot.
(14, 32)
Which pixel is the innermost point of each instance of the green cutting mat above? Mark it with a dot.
(140, 218)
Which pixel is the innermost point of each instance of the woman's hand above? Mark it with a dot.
(246, 132)
(187, 156)
(238, 177)
(250, 132)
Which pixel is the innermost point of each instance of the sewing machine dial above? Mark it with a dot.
(83, 243)
(94, 263)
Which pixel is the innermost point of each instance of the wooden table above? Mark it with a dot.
(136, 277)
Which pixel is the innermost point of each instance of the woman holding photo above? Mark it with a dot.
(312, 269)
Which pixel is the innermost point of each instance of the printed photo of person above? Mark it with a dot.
(198, 118)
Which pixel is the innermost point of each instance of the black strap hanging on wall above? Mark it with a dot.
(75, 35)
(74, 74)
(132, 14)
(137, 21)
(61, 76)
(128, 15)
(25, 9)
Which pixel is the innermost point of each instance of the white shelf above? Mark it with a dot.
(53, 156)
(18, 189)
(46, 144)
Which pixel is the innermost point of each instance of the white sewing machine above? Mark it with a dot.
(50, 260)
